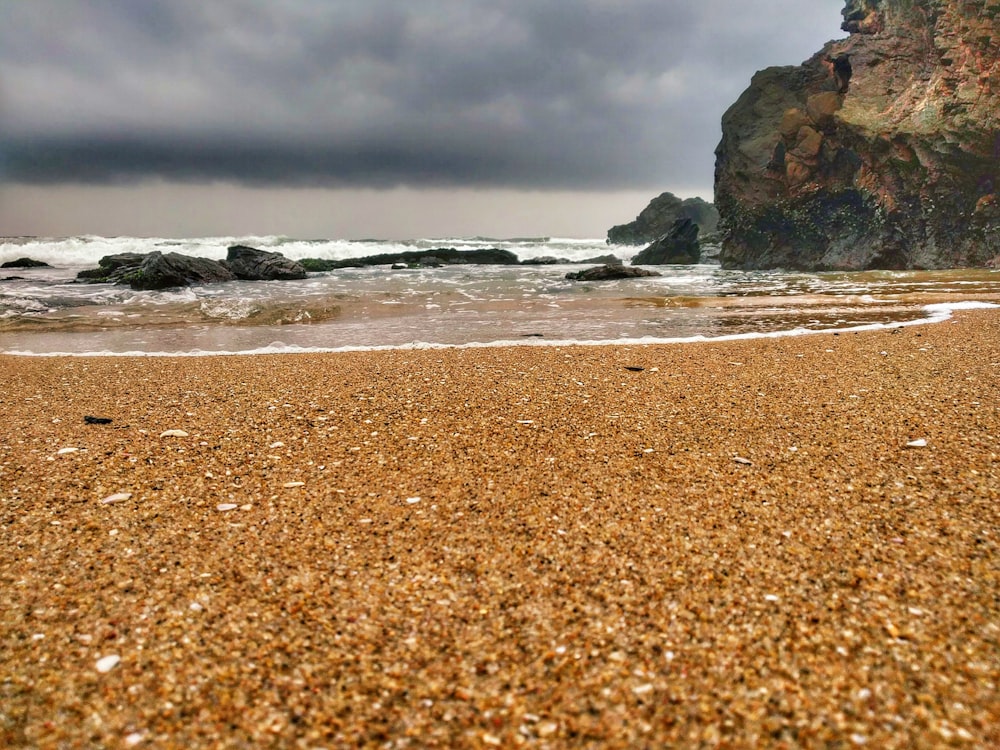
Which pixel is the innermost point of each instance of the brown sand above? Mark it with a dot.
(733, 545)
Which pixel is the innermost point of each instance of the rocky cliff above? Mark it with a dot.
(881, 151)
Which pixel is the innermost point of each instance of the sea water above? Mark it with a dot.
(45, 310)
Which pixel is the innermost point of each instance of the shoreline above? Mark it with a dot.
(765, 542)
(934, 313)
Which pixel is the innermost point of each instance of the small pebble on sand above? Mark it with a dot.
(107, 663)
(117, 497)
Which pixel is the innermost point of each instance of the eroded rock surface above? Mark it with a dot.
(881, 151)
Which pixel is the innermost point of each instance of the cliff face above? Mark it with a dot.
(881, 151)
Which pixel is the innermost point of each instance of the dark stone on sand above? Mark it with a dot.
(96, 420)
(610, 272)
(25, 263)
(251, 264)
(679, 246)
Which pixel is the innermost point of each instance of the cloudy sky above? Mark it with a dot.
(362, 118)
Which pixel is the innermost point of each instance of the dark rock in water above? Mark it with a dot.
(544, 260)
(156, 271)
(110, 267)
(251, 264)
(548, 260)
(159, 271)
(881, 151)
(608, 260)
(25, 263)
(678, 246)
(442, 255)
(658, 217)
(319, 265)
(610, 272)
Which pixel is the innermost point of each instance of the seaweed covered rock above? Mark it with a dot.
(881, 151)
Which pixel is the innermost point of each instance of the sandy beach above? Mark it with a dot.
(773, 543)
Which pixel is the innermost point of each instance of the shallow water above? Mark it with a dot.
(44, 311)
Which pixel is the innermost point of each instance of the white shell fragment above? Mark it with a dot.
(107, 663)
(744, 461)
(226, 506)
(412, 500)
(277, 444)
(921, 443)
(64, 451)
(173, 433)
(289, 485)
(117, 497)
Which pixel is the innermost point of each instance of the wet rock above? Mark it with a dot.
(678, 246)
(251, 264)
(156, 270)
(610, 272)
(25, 263)
(441, 255)
(163, 271)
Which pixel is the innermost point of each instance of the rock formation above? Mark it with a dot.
(678, 246)
(437, 256)
(881, 151)
(25, 263)
(658, 217)
(611, 272)
(251, 264)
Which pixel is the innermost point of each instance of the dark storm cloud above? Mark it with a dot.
(534, 93)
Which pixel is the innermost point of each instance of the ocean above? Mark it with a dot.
(44, 311)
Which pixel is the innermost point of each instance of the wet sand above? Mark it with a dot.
(539, 547)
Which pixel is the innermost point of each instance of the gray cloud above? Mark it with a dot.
(529, 93)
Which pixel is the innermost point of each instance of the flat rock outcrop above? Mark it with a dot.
(658, 217)
(679, 246)
(610, 272)
(881, 151)
(436, 257)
